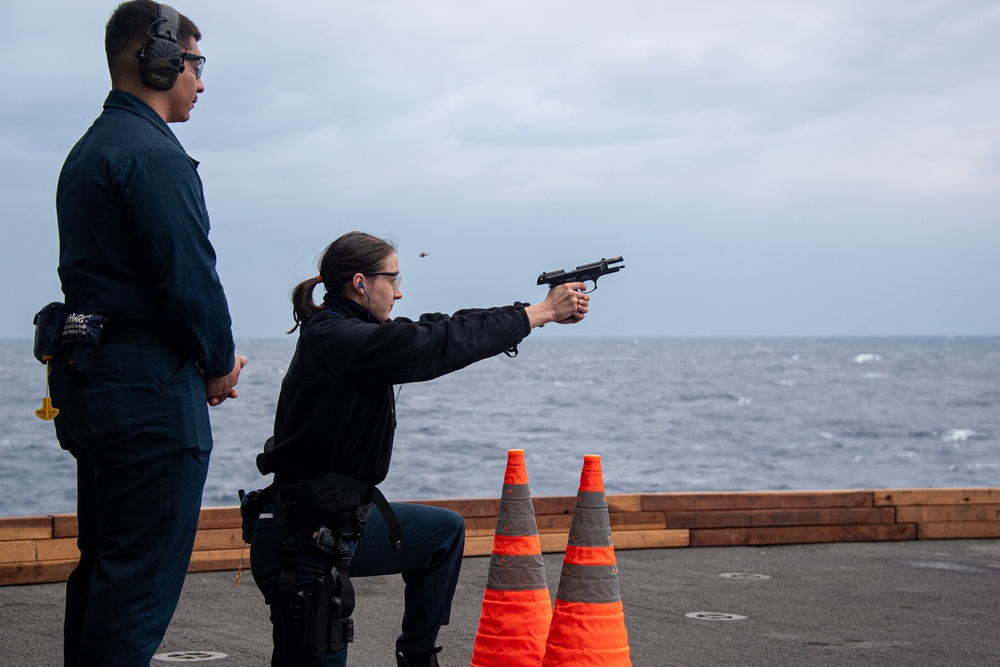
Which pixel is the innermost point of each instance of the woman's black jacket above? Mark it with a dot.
(336, 411)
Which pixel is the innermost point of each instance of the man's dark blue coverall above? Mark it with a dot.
(133, 247)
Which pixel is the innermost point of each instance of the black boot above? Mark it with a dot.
(428, 659)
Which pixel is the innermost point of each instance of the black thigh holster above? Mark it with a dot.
(313, 617)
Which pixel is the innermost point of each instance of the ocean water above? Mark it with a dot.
(666, 415)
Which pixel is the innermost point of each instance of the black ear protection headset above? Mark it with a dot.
(160, 60)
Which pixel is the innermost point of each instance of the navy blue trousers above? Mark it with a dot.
(430, 561)
(139, 430)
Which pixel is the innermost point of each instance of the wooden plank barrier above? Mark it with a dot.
(43, 549)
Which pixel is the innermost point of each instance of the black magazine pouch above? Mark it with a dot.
(79, 339)
(252, 504)
(48, 328)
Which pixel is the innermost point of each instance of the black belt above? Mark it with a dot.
(367, 493)
(137, 332)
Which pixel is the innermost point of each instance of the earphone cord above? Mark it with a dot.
(400, 388)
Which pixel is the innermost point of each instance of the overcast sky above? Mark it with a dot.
(766, 168)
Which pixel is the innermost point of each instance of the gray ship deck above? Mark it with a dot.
(911, 603)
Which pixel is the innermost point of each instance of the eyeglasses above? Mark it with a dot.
(200, 60)
(397, 278)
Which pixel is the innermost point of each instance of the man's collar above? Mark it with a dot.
(119, 99)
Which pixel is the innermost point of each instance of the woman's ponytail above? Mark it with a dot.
(303, 306)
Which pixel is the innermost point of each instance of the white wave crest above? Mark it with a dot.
(867, 358)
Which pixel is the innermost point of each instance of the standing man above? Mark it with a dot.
(134, 249)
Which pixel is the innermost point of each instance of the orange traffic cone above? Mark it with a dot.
(588, 624)
(517, 610)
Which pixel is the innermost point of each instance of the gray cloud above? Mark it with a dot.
(820, 168)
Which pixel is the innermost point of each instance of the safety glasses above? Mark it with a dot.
(198, 62)
(397, 277)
